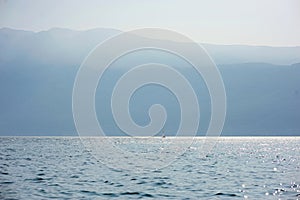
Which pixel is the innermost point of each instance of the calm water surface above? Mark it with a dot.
(236, 168)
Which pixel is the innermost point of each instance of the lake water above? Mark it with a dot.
(236, 168)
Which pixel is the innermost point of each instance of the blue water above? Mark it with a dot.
(236, 168)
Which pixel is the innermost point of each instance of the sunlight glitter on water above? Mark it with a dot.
(61, 167)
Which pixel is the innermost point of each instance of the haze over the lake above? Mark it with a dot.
(255, 45)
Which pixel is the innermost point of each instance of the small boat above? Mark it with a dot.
(163, 134)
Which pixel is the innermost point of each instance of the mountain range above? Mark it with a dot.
(38, 69)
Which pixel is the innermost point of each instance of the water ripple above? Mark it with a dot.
(45, 168)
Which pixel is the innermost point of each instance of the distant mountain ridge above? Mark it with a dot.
(37, 72)
(72, 46)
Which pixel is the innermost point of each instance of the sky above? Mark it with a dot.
(252, 22)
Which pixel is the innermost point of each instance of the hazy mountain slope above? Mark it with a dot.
(37, 72)
(70, 47)
(233, 54)
(262, 98)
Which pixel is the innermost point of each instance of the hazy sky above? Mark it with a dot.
(255, 22)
